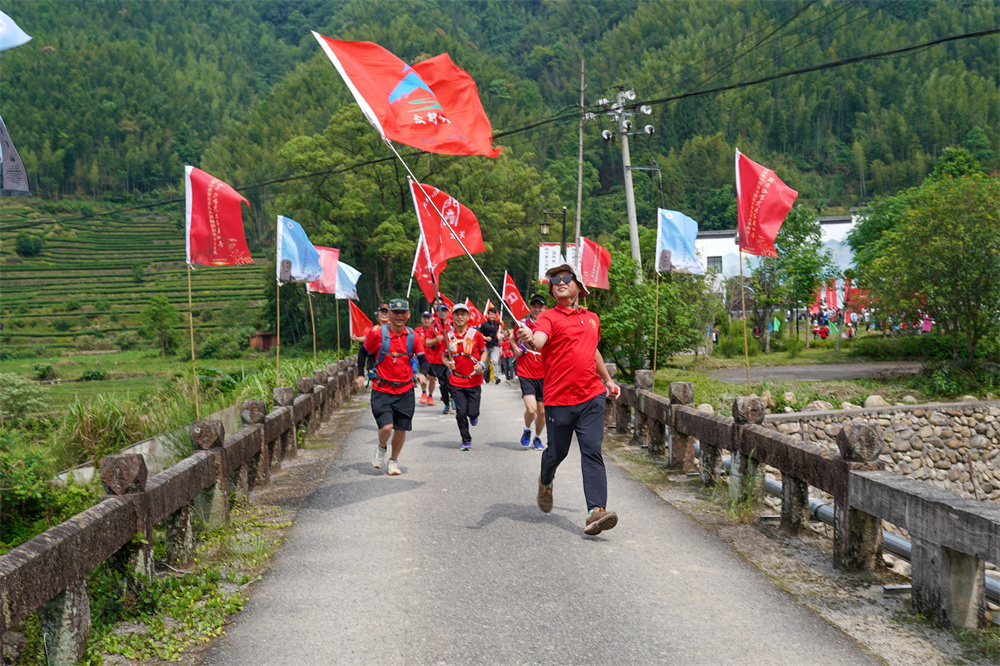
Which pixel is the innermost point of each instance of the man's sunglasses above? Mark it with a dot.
(558, 279)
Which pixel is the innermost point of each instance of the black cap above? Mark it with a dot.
(426, 313)
(384, 306)
(536, 297)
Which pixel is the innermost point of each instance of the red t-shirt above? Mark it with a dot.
(529, 365)
(505, 350)
(436, 351)
(393, 368)
(568, 355)
(472, 344)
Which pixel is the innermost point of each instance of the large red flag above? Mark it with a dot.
(595, 262)
(817, 302)
(513, 297)
(360, 324)
(427, 275)
(329, 257)
(433, 105)
(213, 221)
(441, 244)
(475, 316)
(831, 294)
(762, 201)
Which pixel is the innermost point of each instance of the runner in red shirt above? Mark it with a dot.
(442, 321)
(530, 375)
(576, 387)
(392, 388)
(433, 338)
(467, 361)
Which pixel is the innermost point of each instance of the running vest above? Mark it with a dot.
(463, 347)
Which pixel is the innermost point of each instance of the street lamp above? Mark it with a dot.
(546, 227)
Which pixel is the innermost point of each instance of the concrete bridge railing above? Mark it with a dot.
(48, 574)
(952, 536)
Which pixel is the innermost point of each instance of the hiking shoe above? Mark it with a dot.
(394, 467)
(538, 444)
(423, 399)
(497, 381)
(446, 410)
(544, 497)
(466, 446)
(430, 401)
(453, 407)
(474, 422)
(379, 458)
(526, 438)
(600, 520)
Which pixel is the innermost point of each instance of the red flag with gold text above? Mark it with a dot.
(762, 201)
(213, 221)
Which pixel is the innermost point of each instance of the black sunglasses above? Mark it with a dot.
(557, 279)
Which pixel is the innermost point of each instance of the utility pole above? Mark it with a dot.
(579, 168)
(633, 225)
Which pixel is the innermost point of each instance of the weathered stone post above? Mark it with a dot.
(284, 396)
(305, 386)
(125, 475)
(857, 536)
(211, 506)
(743, 469)
(657, 416)
(319, 379)
(611, 409)
(334, 392)
(180, 536)
(643, 381)
(949, 587)
(794, 504)
(681, 445)
(254, 412)
(65, 621)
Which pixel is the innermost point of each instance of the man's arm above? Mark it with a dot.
(536, 340)
(602, 370)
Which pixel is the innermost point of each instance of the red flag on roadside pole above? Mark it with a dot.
(513, 297)
(762, 202)
(441, 244)
(426, 274)
(433, 105)
(329, 257)
(213, 221)
(831, 294)
(360, 324)
(475, 316)
(595, 262)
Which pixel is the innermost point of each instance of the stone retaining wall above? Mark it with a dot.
(934, 442)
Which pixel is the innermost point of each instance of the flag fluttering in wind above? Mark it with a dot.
(762, 201)
(213, 221)
(13, 176)
(360, 324)
(298, 260)
(441, 244)
(831, 294)
(427, 274)
(11, 34)
(447, 301)
(347, 281)
(433, 105)
(675, 243)
(513, 297)
(486, 308)
(475, 316)
(595, 262)
(329, 258)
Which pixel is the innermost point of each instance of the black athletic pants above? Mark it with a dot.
(587, 421)
(445, 388)
(467, 407)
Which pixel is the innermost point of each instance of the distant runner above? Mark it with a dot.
(576, 387)
(364, 362)
(442, 321)
(433, 338)
(467, 363)
(531, 375)
(491, 334)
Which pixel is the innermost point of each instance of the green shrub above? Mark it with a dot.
(28, 245)
(102, 305)
(915, 347)
(93, 375)
(44, 371)
(126, 340)
(72, 305)
(93, 343)
(63, 324)
(19, 397)
(227, 343)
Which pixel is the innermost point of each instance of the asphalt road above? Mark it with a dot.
(453, 563)
(818, 372)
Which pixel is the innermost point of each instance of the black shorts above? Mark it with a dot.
(438, 370)
(394, 409)
(531, 387)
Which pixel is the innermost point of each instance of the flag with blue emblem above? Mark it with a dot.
(675, 238)
(11, 34)
(298, 260)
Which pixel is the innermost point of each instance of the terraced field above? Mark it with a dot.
(83, 282)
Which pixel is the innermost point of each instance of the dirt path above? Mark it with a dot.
(818, 372)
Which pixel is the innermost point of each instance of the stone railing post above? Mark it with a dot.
(284, 396)
(65, 621)
(333, 384)
(319, 379)
(253, 412)
(611, 409)
(305, 386)
(794, 504)
(949, 587)
(211, 506)
(643, 381)
(125, 475)
(857, 536)
(681, 446)
(743, 469)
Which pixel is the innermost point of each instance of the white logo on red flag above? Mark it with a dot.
(475, 316)
(513, 297)
(437, 229)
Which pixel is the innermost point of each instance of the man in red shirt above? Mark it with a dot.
(392, 388)
(433, 338)
(530, 375)
(467, 362)
(443, 323)
(575, 389)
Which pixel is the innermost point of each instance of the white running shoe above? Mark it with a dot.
(379, 458)
(394, 468)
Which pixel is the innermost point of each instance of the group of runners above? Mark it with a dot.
(564, 382)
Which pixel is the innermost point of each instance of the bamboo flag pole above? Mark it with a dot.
(312, 316)
(194, 370)
(656, 328)
(746, 345)
(277, 346)
(336, 306)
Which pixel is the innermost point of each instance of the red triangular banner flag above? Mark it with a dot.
(762, 201)
(475, 316)
(447, 301)
(329, 257)
(360, 324)
(595, 262)
(513, 297)
(441, 243)
(427, 276)
(213, 221)
(433, 105)
(486, 309)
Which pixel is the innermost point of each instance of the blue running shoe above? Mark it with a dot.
(526, 438)
(538, 444)
(453, 407)
(466, 446)
(446, 410)
(474, 421)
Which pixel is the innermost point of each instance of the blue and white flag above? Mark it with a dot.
(675, 249)
(10, 34)
(347, 281)
(298, 260)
